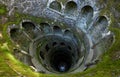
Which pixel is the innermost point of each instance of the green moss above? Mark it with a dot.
(12, 67)
(116, 46)
(106, 68)
(6, 51)
(3, 10)
(118, 7)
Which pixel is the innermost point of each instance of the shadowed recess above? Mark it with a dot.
(55, 5)
(87, 13)
(99, 27)
(68, 33)
(28, 26)
(45, 27)
(42, 54)
(61, 60)
(102, 23)
(47, 47)
(71, 9)
(14, 33)
(57, 29)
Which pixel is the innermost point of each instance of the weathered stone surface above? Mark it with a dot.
(85, 21)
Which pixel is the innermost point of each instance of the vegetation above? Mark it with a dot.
(2, 9)
(9, 66)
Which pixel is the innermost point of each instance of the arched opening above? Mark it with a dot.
(102, 23)
(71, 9)
(55, 5)
(45, 27)
(28, 26)
(87, 14)
(14, 33)
(57, 29)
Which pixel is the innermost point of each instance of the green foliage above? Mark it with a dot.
(117, 7)
(3, 10)
(108, 67)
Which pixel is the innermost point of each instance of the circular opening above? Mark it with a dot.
(61, 60)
